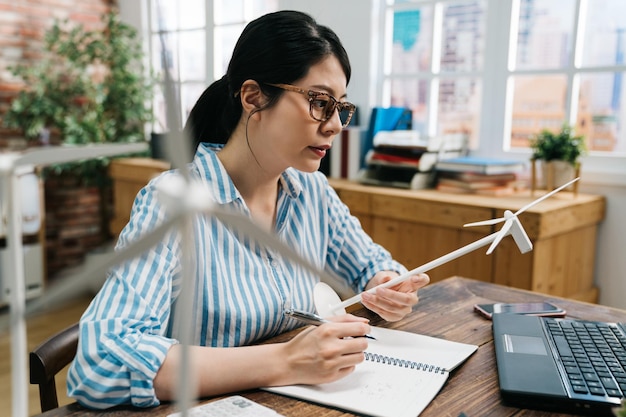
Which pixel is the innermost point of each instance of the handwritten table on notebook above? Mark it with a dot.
(445, 311)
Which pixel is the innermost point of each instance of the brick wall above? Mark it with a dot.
(73, 218)
(22, 26)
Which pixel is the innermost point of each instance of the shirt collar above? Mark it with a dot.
(210, 170)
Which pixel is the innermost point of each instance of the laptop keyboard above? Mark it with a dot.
(593, 355)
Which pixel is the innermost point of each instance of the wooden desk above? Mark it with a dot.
(417, 226)
(445, 310)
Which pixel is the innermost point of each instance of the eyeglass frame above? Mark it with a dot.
(312, 95)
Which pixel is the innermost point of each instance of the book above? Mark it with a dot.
(424, 162)
(476, 177)
(472, 185)
(400, 376)
(479, 165)
(397, 176)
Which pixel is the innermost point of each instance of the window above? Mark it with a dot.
(502, 70)
(567, 66)
(194, 40)
(434, 60)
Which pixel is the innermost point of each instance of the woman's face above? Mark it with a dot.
(287, 135)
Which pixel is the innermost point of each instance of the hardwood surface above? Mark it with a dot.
(445, 310)
(39, 328)
(418, 226)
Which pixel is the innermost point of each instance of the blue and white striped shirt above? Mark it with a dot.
(240, 287)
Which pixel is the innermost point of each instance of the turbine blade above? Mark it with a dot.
(253, 231)
(501, 234)
(67, 153)
(485, 222)
(78, 281)
(520, 237)
(529, 205)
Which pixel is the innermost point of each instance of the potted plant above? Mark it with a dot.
(559, 153)
(88, 87)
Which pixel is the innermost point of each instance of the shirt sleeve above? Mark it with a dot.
(122, 341)
(352, 253)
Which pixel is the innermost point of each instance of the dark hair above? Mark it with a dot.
(278, 47)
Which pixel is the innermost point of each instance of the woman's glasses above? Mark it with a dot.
(322, 106)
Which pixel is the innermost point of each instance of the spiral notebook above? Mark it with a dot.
(400, 376)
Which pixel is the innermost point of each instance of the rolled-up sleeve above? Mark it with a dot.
(123, 340)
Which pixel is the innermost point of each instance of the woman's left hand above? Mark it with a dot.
(393, 303)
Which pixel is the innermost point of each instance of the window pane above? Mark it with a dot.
(463, 36)
(192, 13)
(164, 15)
(159, 125)
(192, 56)
(225, 39)
(459, 107)
(228, 11)
(413, 94)
(261, 7)
(600, 111)
(189, 94)
(545, 33)
(605, 36)
(538, 103)
(412, 40)
(165, 48)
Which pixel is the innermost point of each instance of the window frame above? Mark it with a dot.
(495, 119)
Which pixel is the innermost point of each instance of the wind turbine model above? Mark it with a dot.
(183, 198)
(328, 303)
(14, 268)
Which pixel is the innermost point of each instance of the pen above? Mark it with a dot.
(311, 318)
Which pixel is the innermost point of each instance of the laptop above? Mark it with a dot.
(560, 364)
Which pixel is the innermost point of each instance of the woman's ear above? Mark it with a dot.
(252, 98)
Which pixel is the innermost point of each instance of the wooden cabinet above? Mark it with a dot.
(417, 226)
(129, 175)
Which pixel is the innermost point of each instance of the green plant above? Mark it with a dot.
(620, 411)
(563, 145)
(89, 87)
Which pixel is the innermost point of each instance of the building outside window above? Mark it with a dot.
(556, 61)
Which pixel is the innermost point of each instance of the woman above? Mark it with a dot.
(271, 119)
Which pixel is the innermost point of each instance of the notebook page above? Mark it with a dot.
(387, 390)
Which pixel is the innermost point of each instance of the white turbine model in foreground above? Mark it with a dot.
(328, 303)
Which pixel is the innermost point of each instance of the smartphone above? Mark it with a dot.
(532, 309)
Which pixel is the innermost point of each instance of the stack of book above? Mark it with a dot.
(479, 176)
(401, 159)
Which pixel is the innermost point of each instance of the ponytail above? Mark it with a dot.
(215, 114)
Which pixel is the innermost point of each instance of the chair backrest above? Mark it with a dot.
(47, 359)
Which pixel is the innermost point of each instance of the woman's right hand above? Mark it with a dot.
(326, 353)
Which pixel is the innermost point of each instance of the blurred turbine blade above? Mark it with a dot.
(529, 205)
(177, 144)
(485, 222)
(77, 283)
(501, 234)
(252, 230)
(61, 154)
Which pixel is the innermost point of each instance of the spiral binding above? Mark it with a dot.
(388, 360)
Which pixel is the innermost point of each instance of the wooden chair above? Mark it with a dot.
(48, 359)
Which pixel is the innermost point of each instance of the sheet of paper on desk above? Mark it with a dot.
(403, 373)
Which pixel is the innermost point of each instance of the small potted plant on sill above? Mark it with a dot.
(559, 153)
